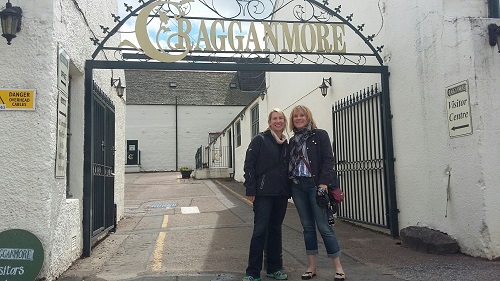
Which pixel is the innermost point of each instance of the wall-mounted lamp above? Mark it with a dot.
(494, 34)
(323, 87)
(262, 95)
(11, 21)
(117, 83)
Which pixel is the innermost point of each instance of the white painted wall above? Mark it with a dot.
(155, 128)
(445, 43)
(31, 197)
(429, 45)
(246, 137)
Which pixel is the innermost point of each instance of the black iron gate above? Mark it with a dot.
(99, 167)
(363, 148)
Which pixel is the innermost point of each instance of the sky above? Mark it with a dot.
(227, 8)
(163, 31)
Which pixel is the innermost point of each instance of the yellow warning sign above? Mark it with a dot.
(17, 99)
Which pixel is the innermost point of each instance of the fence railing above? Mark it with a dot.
(213, 157)
(358, 145)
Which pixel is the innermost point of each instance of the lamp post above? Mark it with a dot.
(11, 21)
(494, 35)
(120, 89)
(324, 87)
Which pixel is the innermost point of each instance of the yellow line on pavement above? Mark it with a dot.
(242, 198)
(165, 221)
(158, 254)
(156, 264)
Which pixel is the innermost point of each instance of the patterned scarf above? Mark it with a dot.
(296, 143)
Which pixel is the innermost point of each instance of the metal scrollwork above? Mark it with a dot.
(172, 42)
(254, 9)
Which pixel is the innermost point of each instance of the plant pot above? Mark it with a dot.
(186, 174)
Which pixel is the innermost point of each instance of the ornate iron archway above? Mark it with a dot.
(311, 17)
(314, 41)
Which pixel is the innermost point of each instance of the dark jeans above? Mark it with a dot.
(269, 212)
(311, 216)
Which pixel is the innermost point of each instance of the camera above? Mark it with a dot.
(323, 201)
(322, 198)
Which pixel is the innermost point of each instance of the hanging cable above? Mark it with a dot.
(301, 98)
(382, 18)
(86, 22)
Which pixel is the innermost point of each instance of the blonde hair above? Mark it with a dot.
(277, 110)
(307, 113)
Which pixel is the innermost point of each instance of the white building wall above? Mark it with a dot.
(31, 197)
(246, 137)
(445, 43)
(429, 45)
(154, 126)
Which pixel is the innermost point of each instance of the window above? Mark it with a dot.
(238, 134)
(494, 8)
(255, 120)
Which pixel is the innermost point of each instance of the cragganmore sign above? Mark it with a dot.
(173, 39)
(21, 255)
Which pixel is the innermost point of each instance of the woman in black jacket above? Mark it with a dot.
(312, 173)
(267, 186)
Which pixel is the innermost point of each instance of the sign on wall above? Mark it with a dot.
(17, 99)
(458, 105)
(21, 255)
(63, 71)
(62, 131)
(62, 112)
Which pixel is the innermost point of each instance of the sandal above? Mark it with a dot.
(308, 275)
(339, 276)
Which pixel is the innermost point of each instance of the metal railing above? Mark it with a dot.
(359, 148)
(213, 157)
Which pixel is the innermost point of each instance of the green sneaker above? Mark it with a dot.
(278, 275)
(250, 278)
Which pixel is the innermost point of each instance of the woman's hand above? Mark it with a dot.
(251, 198)
(324, 187)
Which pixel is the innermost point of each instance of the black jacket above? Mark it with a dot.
(266, 167)
(321, 160)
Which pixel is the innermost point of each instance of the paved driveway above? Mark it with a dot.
(187, 229)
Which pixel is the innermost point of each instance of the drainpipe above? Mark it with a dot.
(233, 149)
(176, 138)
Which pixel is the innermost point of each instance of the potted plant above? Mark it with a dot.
(186, 172)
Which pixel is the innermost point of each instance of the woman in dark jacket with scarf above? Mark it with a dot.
(268, 188)
(312, 171)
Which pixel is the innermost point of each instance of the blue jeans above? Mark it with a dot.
(311, 215)
(269, 212)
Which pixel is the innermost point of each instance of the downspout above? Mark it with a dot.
(176, 137)
(233, 149)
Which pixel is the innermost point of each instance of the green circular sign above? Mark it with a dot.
(21, 255)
